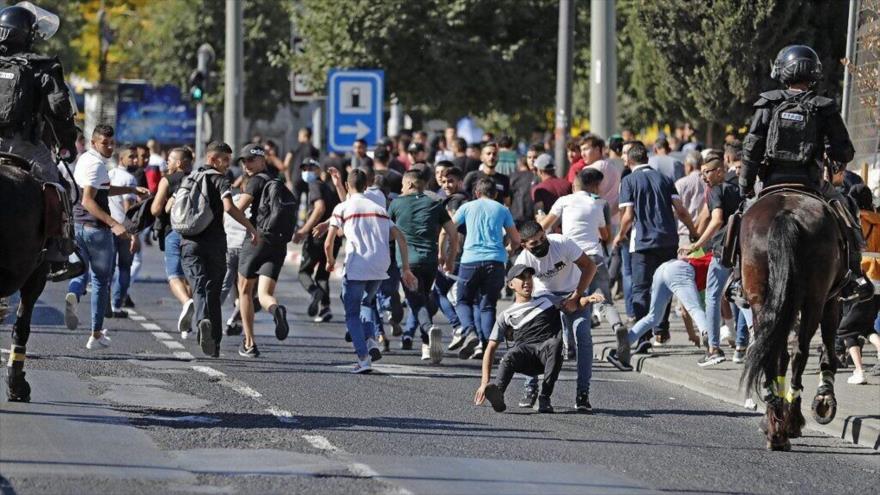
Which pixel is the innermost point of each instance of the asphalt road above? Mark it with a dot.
(145, 416)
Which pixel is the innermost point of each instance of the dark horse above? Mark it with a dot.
(793, 262)
(22, 265)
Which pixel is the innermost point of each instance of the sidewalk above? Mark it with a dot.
(858, 406)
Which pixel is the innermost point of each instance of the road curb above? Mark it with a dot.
(862, 429)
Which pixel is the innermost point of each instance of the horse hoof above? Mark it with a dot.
(779, 447)
(17, 388)
(824, 409)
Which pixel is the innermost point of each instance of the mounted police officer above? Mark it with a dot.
(36, 108)
(793, 132)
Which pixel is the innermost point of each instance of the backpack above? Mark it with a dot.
(191, 213)
(138, 217)
(17, 92)
(276, 213)
(792, 133)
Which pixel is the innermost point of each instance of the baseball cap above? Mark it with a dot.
(544, 162)
(517, 270)
(416, 148)
(251, 150)
(309, 162)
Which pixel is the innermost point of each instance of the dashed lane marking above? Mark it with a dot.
(185, 355)
(282, 415)
(136, 317)
(321, 443)
(151, 326)
(162, 335)
(172, 344)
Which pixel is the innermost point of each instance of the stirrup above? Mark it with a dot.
(733, 293)
(859, 289)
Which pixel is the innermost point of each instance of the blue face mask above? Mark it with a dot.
(308, 176)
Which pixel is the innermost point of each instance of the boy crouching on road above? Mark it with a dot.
(535, 326)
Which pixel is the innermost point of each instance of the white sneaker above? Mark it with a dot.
(373, 349)
(857, 378)
(101, 343)
(364, 366)
(435, 339)
(106, 335)
(426, 352)
(70, 317)
(184, 321)
(728, 336)
(457, 339)
(478, 352)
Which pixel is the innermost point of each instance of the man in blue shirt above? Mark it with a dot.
(650, 203)
(481, 273)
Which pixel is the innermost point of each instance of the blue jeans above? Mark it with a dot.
(359, 299)
(479, 286)
(123, 273)
(602, 283)
(441, 288)
(626, 278)
(97, 250)
(671, 278)
(419, 301)
(388, 298)
(715, 280)
(643, 264)
(743, 322)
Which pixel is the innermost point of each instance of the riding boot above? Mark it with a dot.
(858, 287)
(733, 290)
(65, 269)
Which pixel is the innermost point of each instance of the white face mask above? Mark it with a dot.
(309, 176)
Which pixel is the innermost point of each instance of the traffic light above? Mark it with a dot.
(197, 82)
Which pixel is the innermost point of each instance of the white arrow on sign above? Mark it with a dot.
(359, 129)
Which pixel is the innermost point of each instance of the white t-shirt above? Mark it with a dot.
(557, 271)
(157, 161)
(91, 170)
(235, 232)
(376, 195)
(609, 189)
(121, 178)
(367, 227)
(581, 216)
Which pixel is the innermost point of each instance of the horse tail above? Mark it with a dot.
(781, 302)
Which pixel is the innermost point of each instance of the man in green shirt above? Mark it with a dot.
(421, 219)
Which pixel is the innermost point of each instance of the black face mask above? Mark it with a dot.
(131, 168)
(542, 249)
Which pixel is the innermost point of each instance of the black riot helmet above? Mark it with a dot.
(17, 29)
(796, 64)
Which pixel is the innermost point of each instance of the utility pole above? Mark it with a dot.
(198, 82)
(564, 61)
(852, 25)
(603, 70)
(233, 104)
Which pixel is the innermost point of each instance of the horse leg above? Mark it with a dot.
(825, 404)
(773, 423)
(18, 389)
(809, 321)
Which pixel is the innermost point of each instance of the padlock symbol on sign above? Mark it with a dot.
(355, 97)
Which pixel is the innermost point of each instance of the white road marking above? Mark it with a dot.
(184, 355)
(151, 326)
(133, 312)
(172, 344)
(136, 317)
(245, 390)
(162, 335)
(320, 443)
(209, 371)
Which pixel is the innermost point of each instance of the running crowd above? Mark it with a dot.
(457, 226)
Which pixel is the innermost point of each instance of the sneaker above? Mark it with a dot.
(711, 359)
(102, 342)
(467, 348)
(857, 378)
(373, 349)
(435, 343)
(406, 343)
(118, 313)
(727, 336)
(617, 362)
(105, 334)
(875, 370)
(582, 403)
(623, 348)
(478, 352)
(324, 315)
(313, 305)
(248, 352)
(739, 355)
(529, 396)
(661, 337)
(594, 321)
(206, 339)
(128, 303)
(457, 339)
(184, 321)
(282, 328)
(426, 352)
(544, 405)
(233, 329)
(362, 367)
(347, 337)
(70, 317)
(642, 347)
(495, 397)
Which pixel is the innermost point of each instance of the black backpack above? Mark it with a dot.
(138, 216)
(276, 213)
(17, 92)
(792, 134)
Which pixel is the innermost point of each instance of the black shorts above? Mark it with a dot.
(266, 258)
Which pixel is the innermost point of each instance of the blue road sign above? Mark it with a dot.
(355, 101)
